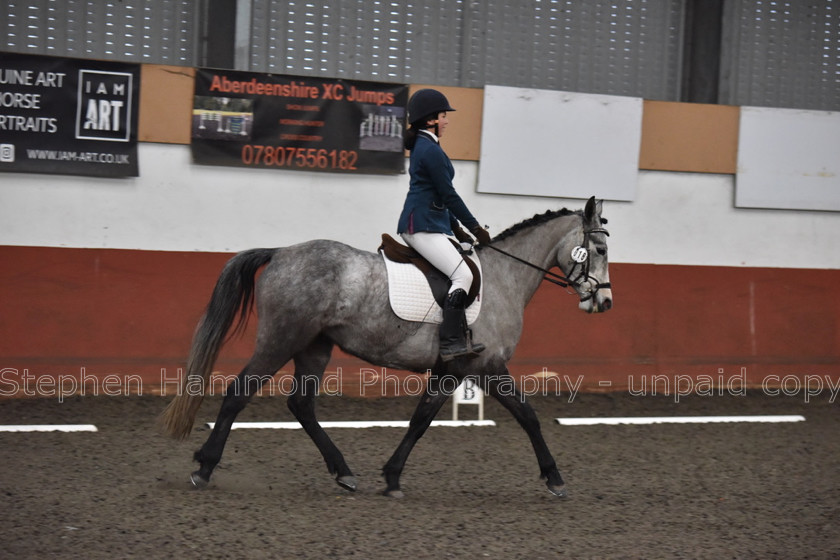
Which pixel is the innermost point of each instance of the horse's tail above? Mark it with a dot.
(233, 294)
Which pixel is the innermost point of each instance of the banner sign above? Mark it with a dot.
(68, 116)
(292, 122)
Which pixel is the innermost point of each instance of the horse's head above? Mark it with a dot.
(582, 256)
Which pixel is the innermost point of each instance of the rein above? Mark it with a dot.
(566, 281)
(552, 277)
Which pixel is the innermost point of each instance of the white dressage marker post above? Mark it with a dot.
(468, 393)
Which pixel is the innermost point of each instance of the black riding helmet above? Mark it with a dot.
(427, 103)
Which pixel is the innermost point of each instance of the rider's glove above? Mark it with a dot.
(481, 234)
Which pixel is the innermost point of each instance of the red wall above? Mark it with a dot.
(69, 313)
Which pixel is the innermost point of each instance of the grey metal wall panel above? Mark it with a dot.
(623, 47)
(152, 31)
(627, 47)
(361, 39)
(781, 54)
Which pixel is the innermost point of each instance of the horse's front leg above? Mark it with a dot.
(504, 391)
(436, 393)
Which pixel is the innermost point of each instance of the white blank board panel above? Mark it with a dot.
(788, 159)
(556, 143)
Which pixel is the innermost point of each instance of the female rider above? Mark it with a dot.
(431, 214)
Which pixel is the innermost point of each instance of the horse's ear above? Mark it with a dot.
(593, 208)
(589, 211)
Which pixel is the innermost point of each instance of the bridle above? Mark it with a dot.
(582, 261)
(584, 266)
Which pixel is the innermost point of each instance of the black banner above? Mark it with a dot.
(291, 122)
(68, 116)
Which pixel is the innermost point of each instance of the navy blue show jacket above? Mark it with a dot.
(432, 204)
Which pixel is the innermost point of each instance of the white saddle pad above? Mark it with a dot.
(411, 297)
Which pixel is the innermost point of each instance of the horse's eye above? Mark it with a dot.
(601, 251)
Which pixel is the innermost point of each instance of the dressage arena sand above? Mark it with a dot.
(662, 491)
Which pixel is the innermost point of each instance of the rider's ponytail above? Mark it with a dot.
(417, 126)
(411, 135)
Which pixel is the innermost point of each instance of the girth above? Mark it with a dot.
(438, 282)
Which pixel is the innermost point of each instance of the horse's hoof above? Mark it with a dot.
(559, 491)
(198, 481)
(347, 482)
(397, 493)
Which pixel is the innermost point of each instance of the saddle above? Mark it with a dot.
(399, 253)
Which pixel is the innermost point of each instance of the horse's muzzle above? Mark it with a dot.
(601, 301)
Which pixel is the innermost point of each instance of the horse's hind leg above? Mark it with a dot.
(431, 401)
(309, 367)
(515, 403)
(237, 395)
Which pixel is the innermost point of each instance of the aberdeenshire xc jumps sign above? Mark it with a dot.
(293, 122)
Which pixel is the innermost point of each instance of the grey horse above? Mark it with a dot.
(319, 294)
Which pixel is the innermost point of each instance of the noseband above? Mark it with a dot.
(565, 281)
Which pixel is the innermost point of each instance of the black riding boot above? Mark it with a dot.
(455, 339)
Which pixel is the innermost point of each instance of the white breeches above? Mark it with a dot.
(438, 250)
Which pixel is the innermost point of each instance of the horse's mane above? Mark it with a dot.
(535, 221)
